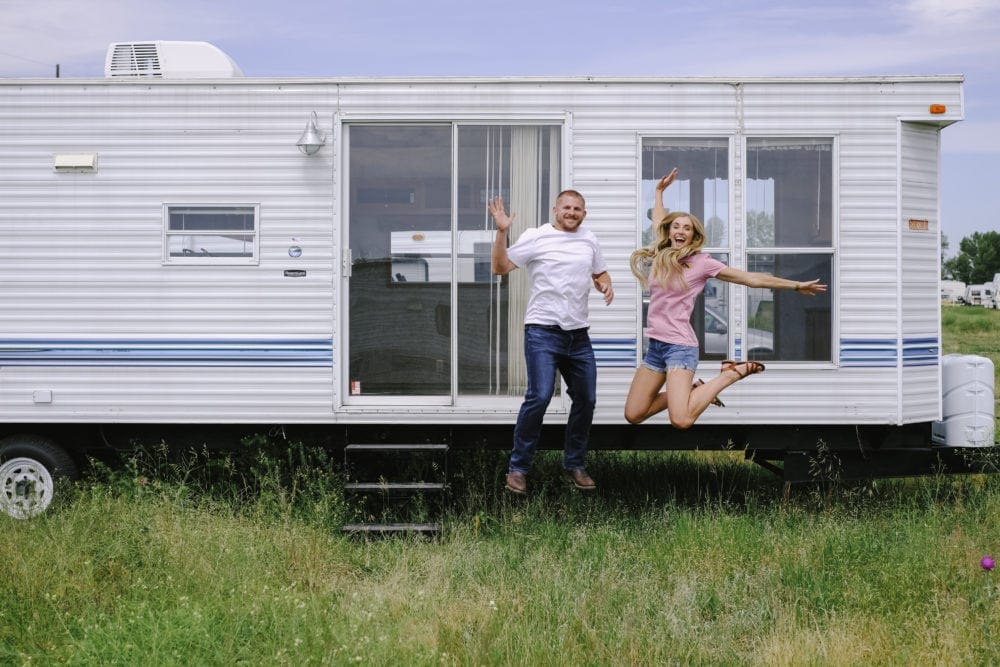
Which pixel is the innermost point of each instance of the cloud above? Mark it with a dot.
(441, 37)
(935, 14)
(35, 36)
(837, 38)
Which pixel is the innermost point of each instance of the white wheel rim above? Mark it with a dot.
(25, 488)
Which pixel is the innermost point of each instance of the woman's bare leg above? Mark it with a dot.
(687, 403)
(684, 402)
(644, 396)
(703, 395)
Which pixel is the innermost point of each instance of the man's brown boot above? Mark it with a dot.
(516, 483)
(581, 480)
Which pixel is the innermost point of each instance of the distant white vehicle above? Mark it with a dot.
(759, 343)
(952, 291)
(979, 295)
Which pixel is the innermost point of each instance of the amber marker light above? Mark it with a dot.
(938, 108)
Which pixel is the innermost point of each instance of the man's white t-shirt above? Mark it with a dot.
(561, 267)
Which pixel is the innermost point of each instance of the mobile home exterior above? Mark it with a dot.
(169, 255)
(952, 291)
(979, 295)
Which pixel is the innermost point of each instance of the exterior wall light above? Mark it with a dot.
(311, 140)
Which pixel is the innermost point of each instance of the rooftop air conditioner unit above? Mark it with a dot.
(168, 60)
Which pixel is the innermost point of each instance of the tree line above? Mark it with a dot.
(977, 261)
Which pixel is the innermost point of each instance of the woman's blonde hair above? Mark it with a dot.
(660, 260)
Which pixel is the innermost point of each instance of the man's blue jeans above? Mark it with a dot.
(547, 349)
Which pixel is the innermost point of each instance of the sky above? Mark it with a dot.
(333, 38)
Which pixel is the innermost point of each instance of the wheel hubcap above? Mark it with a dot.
(25, 488)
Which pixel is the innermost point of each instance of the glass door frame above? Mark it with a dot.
(453, 401)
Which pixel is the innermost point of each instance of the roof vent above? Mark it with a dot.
(168, 60)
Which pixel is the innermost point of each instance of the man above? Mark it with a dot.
(563, 260)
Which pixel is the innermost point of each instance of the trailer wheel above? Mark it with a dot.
(29, 466)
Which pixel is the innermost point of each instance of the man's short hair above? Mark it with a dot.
(572, 193)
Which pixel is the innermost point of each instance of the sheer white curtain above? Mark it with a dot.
(524, 187)
(523, 161)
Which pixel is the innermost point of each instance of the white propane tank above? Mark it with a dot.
(967, 405)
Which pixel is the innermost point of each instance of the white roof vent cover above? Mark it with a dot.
(168, 60)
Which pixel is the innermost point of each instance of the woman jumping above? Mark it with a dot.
(675, 270)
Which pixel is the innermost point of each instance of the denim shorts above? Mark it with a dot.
(662, 357)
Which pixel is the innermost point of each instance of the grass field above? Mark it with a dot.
(680, 558)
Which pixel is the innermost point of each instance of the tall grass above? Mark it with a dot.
(210, 559)
(712, 563)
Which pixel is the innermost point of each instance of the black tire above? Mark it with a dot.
(29, 467)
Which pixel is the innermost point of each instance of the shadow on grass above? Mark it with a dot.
(283, 479)
(629, 481)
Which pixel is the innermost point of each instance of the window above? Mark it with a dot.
(216, 234)
(789, 233)
(420, 239)
(701, 189)
(521, 164)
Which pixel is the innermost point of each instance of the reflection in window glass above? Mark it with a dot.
(789, 193)
(201, 233)
(785, 325)
(421, 239)
(701, 188)
(521, 164)
(400, 236)
(789, 233)
(710, 317)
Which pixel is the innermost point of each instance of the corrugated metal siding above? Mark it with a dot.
(81, 255)
(234, 142)
(921, 271)
(606, 169)
(181, 395)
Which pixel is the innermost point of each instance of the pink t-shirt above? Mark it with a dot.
(669, 317)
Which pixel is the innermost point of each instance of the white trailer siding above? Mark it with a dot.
(90, 312)
(920, 269)
(82, 268)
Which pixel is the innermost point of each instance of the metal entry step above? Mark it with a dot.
(375, 487)
(400, 488)
(380, 447)
(391, 528)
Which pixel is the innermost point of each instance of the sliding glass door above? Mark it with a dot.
(426, 316)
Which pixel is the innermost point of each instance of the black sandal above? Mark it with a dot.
(715, 401)
(752, 368)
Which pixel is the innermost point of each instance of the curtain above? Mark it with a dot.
(524, 200)
(523, 166)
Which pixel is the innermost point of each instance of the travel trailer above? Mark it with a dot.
(979, 295)
(187, 247)
(953, 291)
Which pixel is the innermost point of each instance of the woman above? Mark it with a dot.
(675, 270)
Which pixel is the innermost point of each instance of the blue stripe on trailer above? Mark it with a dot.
(163, 352)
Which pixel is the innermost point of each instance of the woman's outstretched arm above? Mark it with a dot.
(766, 280)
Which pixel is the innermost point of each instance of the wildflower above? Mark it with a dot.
(987, 563)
